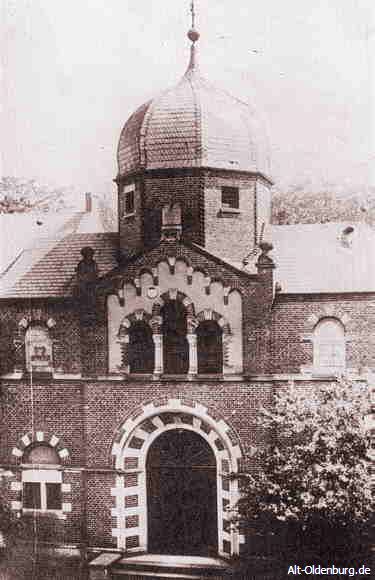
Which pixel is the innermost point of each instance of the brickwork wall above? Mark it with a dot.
(65, 334)
(130, 227)
(99, 504)
(263, 211)
(179, 186)
(109, 404)
(229, 235)
(59, 409)
(199, 193)
(56, 409)
(294, 318)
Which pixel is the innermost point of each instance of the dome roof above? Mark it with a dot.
(193, 124)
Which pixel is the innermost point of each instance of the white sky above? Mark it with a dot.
(74, 70)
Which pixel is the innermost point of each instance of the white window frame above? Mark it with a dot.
(334, 343)
(128, 189)
(31, 474)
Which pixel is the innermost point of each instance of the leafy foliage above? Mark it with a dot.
(19, 195)
(313, 478)
(10, 526)
(302, 207)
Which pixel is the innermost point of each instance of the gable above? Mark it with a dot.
(207, 287)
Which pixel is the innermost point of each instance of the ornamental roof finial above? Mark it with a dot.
(193, 35)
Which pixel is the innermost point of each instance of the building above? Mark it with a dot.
(133, 363)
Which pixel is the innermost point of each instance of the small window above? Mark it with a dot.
(230, 197)
(129, 202)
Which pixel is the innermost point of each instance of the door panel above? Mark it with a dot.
(181, 482)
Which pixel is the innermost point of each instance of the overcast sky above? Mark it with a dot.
(74, 70)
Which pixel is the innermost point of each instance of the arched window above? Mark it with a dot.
(329, 346)
(38, 349)
(41, 480)
(141, 348)
(175, 344)
(210, 347)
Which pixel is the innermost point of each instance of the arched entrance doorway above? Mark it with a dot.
(182, 495)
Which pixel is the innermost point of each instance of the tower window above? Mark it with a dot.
(230, 197)
(129, 202)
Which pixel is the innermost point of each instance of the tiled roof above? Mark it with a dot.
(193, 124)
(48, 269)
(314, 258)
(19, 231)
(309, 258)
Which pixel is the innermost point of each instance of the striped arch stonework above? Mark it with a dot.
(39, 437)
(30, 440)
(130, 454)
(173, 294)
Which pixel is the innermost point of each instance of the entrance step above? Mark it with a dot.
(160, 567)
(167, 567)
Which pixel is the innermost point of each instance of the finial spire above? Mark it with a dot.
(192, 10)
(193, 35)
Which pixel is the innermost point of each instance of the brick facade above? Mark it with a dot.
(86, 415)
(229, 235)
(101, 418)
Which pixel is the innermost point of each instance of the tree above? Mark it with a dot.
(312, 488)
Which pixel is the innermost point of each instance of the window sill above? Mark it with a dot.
(229, 212)
(56, 514)
(327, 373)
(128, 215)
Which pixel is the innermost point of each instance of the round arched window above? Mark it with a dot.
(329, 346)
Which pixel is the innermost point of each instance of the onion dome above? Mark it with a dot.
(193, 124)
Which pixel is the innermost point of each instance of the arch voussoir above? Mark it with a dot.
(130, 453)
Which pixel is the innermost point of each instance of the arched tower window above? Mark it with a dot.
(38, 349)
(175, 344)
(329, 346)
(41, 481)
(209, 347)
(141, 348)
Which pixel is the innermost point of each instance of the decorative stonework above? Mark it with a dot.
(150, 287)
(328, 311)
(57, 475)
(130, 449)
(40, 437)
(45, 350)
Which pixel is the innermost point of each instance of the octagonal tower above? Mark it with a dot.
(197, 147)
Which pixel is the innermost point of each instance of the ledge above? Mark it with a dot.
(128, 215)
(229, 212)
(53, 514)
